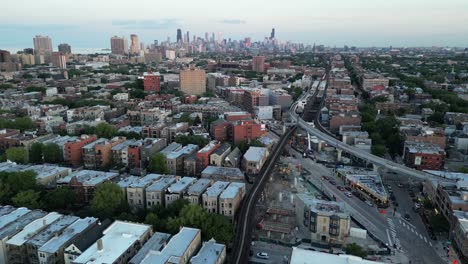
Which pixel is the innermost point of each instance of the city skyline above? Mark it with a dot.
(361, 23)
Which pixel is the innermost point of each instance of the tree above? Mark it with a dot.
(463, 170)
(107, 200)
(157, 164)
(17, 154)
(29, 199)
(105, 130)
(52, 153)
(378, 150)
(153, 220)
(35, 154)
(201, 141)
(61, 198)
(356, 250)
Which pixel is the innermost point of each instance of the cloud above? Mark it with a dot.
(38, 27)
(147, 24)
(233, 21)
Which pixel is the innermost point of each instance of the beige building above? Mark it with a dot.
(217, 157)
(231, 198)
(136, 192)
(370, 80)
(253, 160)
(210, 253)
(177, 190)
(193, 81)
(325, 221)
(195, 191)
(155, 193)
(211, 196)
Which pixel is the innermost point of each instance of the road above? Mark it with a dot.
(244, 225)
(390, 229)
(381, 162)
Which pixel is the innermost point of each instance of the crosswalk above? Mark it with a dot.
(396, 240)
(411, 228)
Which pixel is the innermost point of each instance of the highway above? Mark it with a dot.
(244, 225)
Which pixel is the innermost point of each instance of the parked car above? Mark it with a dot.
(324, 178)
(348, 194)
(263, 255)
(332, 182)
(348, 189)
(341, 188)
(407, 217)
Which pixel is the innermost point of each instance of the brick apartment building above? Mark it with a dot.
(246, 130)
(203, 155)
(73, 149)
(424, 156)
(152, 82)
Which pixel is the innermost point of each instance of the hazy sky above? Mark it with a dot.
(90, 23)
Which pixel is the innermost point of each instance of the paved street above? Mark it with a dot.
(277, 254)
(392, 229)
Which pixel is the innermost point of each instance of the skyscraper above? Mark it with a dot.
(272, 35)
(188, 36)
(179, 35)
(42, 44)
(134, 49)
(119, 45)
(206, 37)
(220, 37)
(192, 81)
(64, 48)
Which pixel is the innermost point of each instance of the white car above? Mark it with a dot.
(369, 204)
(349, 194)
(263, 255)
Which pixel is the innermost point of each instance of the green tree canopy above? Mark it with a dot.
(29, 199)
(59, 198)
(52, 153)
(107, 200)
(378, 150)
(356, 250)
(201, 141)
(157, 164)
(105, 130)
(35, 153)
(12, 183)
(18, 155)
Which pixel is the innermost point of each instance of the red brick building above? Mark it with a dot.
(246, 130)
(152, 82)
(341, 119)
(220, 130)
(236, 116)
(134, 157)
(5, 142)
(203, 155)
(73, 152)
(424, 156)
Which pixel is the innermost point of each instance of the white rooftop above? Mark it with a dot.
(209, 253)
(116, 240)
(33, 228)
(304, 256)
(13, 216)
(181, 185)
(216, 189)
(232, 190)
(255, 154)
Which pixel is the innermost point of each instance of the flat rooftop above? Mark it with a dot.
(323, 207)
(89, 177)
(255, 154)
(174, 249)
(127, 181)
(302, 256)
(181, 185)
(33, 228)
(162, 184)
(13, 216)
(216, 189)
(223, 171)
(53, 245)
(209, 146)
(46, 170)
(16, 226)
(116, 240)
(156, 243)
(198, 187)
(232, 190)
(183, 151)
(145, 181)
(50, 231)
(209, 253)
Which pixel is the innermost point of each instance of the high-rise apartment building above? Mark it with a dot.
(193, 81)
(119, 45)
(152, 81)
(42, 44)
(258, 63)
(134, 49)
(179, 35)
(59, 60)
(64, 48)
(272, 35)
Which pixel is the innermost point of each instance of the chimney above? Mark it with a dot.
(100, 247)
